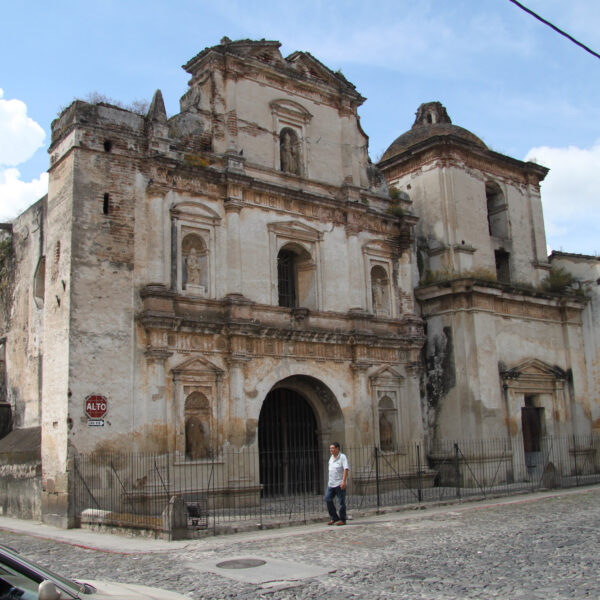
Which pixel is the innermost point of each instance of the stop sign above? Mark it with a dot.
(95, 406)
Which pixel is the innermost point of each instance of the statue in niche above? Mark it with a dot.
(289, 154)
(379, 294)
(195, 444)
(386, 432)
(193, 267)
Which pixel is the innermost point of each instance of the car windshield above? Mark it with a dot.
(18, 564)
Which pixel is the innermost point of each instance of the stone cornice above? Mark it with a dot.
(503, 299)
(210, 324)
(449, 147)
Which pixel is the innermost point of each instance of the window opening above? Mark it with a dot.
(502, 266)
(497, 211)
(286, 278)
(107, 145)
(39, 282)
(532, 419)
(106, 204)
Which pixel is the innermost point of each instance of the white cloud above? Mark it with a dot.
(20, 137)
(17, 195)
(570, 195)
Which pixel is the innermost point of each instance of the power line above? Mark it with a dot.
(527, 10)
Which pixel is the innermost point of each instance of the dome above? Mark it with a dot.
(432, 120)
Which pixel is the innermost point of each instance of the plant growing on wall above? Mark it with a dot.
(558, 280)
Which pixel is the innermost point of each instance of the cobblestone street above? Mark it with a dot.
(537, 546)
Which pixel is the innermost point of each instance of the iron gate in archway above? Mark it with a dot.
(288, 445)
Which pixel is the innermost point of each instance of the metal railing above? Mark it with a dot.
(238, 485)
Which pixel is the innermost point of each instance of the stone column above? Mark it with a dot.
(233, 206)
(238, 413)
(360, 365)
(155, 406)
(413, 397)
(356, 272)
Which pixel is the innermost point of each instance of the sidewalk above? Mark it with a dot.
(142, 545)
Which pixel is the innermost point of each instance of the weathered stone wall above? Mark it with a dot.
(450, 202)
(21, 474)
(24, 317)
(586, 271)
(20, 487)
(469, 350)
(57, 331)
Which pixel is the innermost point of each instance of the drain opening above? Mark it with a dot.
(241, 563)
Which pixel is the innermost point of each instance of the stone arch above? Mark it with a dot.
(298, 419)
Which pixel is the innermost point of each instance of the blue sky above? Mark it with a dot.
(522, 88)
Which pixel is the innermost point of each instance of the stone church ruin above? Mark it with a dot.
(241, 277)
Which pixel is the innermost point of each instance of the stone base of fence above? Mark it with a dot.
(367, 485)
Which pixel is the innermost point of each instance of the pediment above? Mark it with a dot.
(294, 230)
(290, 109)
(534, 368)
(378, 248)
(314, 69)
(195, 210)
(196, 366)
(387, 373)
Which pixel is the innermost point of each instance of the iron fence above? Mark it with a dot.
(241, 485)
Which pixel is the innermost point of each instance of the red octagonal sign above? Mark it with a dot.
(95, 406)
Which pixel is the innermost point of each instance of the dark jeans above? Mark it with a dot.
(330, 495)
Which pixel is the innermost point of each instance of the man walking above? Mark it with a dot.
(336, 485)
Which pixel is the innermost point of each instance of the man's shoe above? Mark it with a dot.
(331, 523)
(340, 523)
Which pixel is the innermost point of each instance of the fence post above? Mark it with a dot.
(419, 489)
(377, 475)
(575, 460)
(456, 470)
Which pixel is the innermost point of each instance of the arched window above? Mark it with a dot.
(289, 151)
(296, 277)
(380, 290)
(497, 211)
(194, 268)
(197, 426)
(387, 424)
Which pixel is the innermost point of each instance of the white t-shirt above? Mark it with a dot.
(337, 466)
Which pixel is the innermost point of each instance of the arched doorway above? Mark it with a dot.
(288, 444)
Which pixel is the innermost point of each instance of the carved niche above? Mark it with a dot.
(290, 123)
(197, 388)
(194, 231)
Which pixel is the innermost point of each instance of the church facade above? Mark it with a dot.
(240, 276)
(230, 275)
